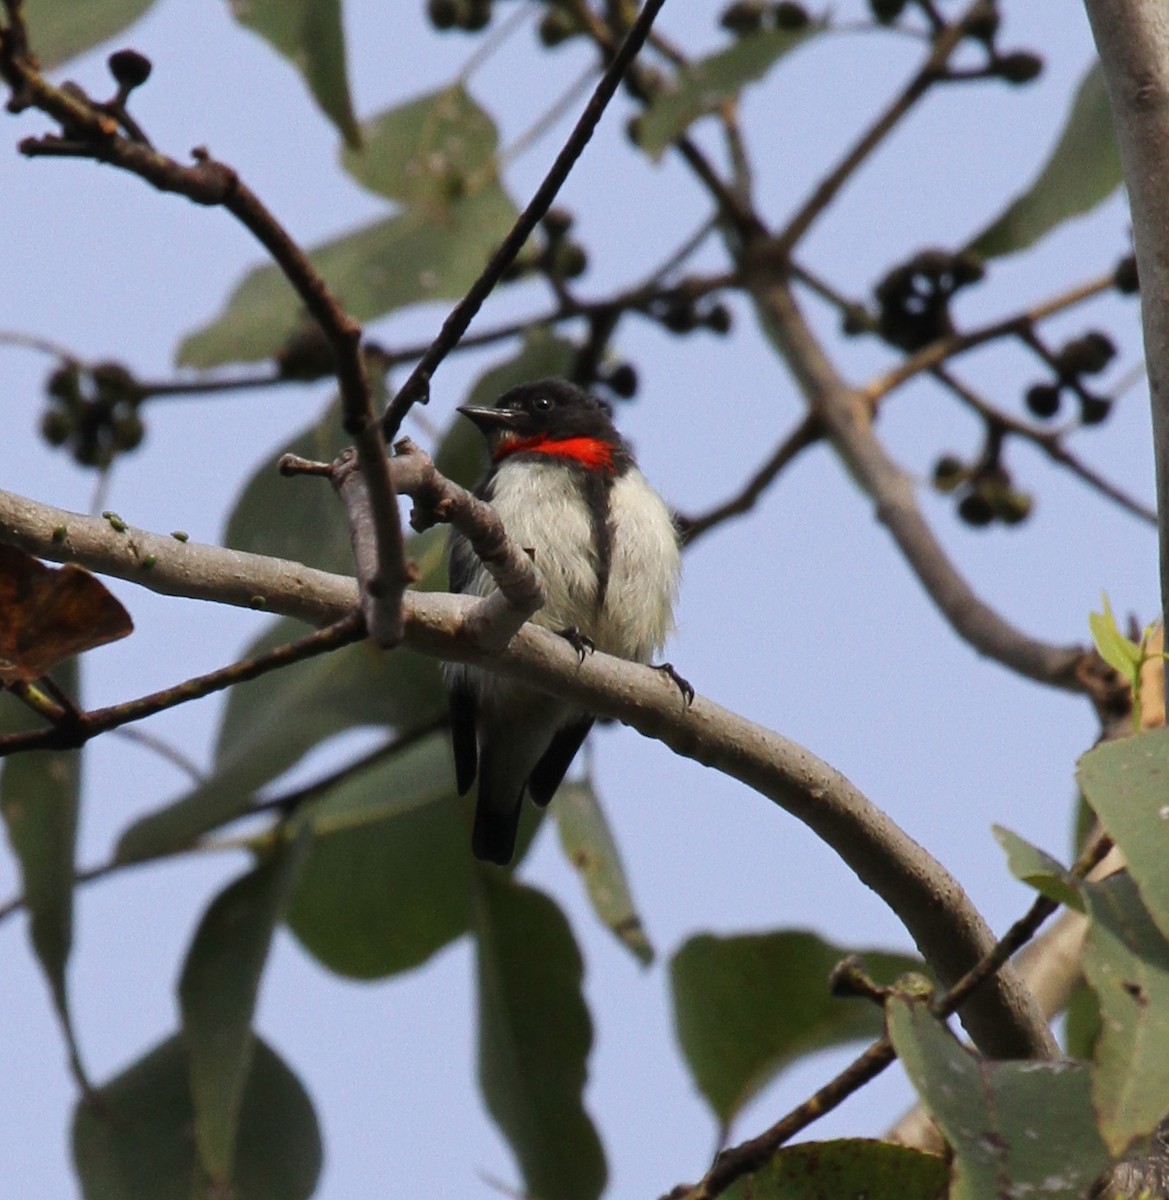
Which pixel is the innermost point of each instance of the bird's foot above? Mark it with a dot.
(683, 685)
(580, 642)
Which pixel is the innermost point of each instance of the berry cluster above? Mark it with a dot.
(745, 17)
(914, 299)
(468, 15)
(93, 410)
(1086, 355)
(984, 489)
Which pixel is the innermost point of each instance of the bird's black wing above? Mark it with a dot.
(464, 740)
(549, 772)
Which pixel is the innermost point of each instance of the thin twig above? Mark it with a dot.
(90, 132)
(417, 385)
(944, 44)
(807, 433)
(1047, 440)
(943, 349)
(735, 1162)
(71, 733)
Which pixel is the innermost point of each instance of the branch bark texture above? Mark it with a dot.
(1002, 1018)
(1132, 37)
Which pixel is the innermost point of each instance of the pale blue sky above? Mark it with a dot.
(802, 617)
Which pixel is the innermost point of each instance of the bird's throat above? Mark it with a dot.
(593, 453)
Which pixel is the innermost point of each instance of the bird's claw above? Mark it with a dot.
(683, 685)
(580, 642)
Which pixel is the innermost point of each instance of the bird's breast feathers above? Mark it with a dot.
(544, 509)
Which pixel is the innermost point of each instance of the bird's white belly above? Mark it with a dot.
(543, 511)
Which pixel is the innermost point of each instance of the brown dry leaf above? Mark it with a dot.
(49, 614)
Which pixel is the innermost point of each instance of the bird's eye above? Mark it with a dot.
(542, 404)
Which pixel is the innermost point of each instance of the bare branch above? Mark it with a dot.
(847, 419)
(930, 902)
(926, 76)
(89, 131)
(807, 433)
(417, 386)
(1133, 40)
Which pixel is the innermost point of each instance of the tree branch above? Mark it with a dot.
(847, 418)
(951, 935)
(417, 385)
(1133, 40)
(89, 131)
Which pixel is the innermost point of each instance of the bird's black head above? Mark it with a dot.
(551, 417)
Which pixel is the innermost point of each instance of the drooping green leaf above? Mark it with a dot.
(1082, 1026)
(1126, 961)
(587, 842)
(310, 35)
(137, 1142)
(270, 723)
(388, 879)
(397, 261)
(427, 153)
(295, 518)
(217, 997)
(1036, 867)
(62, 29)
(40, 793)
(1082, 172)
(1127, 784)
(1017, 1128)
(700, 87)
(534, 1038)
(746, 1006)
(847, 1167)
(1122, 654)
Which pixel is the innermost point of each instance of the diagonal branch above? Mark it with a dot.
(847, 418)
(807, 433)
(1133, 40)
(90, 132)
(417, 386)
(951, 935)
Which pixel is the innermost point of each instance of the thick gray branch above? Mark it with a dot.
(1002, 1017)
(847, 420)
(1133, 39)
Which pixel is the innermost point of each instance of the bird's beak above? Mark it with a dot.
(491, 420)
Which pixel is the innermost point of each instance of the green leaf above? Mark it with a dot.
(1122, 654)
(587, 842)
(1082, 1028)
(309, 34)
(62, 29)
(847, 1167)
(1017, 1128)
(271, 722)
(1082, 172)
(40, 794)
(746, 1006)
(396, 261)
(388, 878)
(298, 518)
(1036, 867)
(534, 1038)
(217, 995)
(702, 86)
(137, 1141)
(1126, 961)
(1125, 783)
(428, 152)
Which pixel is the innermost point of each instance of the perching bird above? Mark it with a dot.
(566, 488)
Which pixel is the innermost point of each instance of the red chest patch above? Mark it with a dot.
(589, 452)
